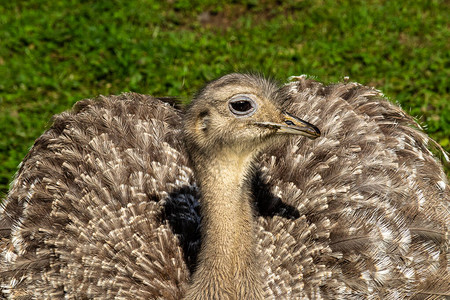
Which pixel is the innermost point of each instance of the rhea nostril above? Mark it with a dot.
(289, 122)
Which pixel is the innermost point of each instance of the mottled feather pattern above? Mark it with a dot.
(86, 208)
(384, 204)
(105, 204)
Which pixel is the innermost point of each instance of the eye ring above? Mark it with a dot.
(242, 106)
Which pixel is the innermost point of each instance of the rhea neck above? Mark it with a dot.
(227, 265)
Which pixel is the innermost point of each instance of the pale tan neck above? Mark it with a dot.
(227, 264)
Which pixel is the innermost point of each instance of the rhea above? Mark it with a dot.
(128, 197)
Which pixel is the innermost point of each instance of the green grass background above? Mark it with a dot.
(53, 53)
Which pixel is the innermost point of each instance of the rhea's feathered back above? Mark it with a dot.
(105, 204)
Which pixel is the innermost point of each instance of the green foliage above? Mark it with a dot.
(53, 53)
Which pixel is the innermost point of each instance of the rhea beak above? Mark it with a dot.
(293, 125)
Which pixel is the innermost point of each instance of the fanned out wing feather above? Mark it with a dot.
(374, 203)
(86, 210)
(105, 205)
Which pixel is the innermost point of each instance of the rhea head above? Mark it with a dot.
(239, 113)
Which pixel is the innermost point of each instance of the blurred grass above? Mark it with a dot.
(53, 53)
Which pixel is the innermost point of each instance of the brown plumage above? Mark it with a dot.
(105, 205)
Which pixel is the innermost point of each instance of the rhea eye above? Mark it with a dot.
(242, 106)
